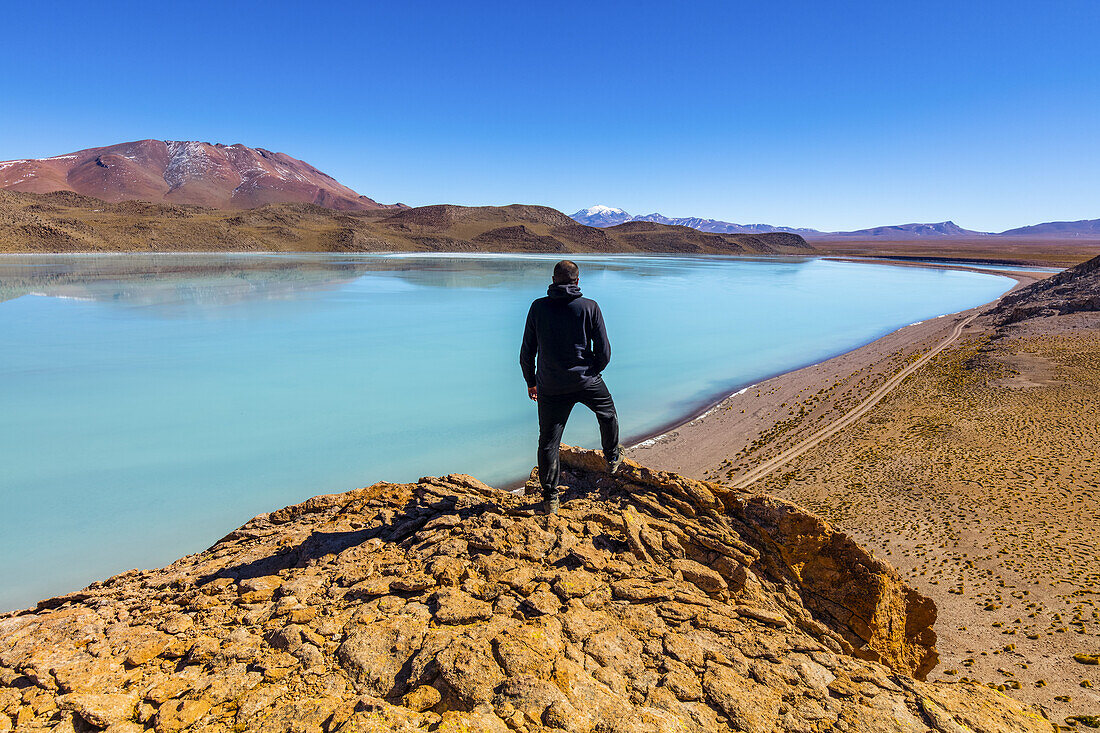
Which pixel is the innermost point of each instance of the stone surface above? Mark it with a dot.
(1070, 291)
(652, 602)
(456, 607)
(100, 710)
(422, 698)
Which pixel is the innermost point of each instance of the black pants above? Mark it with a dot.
(554, 412)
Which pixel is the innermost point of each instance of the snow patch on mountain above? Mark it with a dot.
(600, 209)
(601, 216)
(187, 161)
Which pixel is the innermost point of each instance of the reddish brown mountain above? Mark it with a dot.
(183, 172)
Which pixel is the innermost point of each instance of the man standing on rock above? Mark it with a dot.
(565, 333)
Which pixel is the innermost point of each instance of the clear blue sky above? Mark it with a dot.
(829, 115)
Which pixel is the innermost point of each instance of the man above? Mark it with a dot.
(565, 333)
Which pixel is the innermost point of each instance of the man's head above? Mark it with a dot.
(566, 272)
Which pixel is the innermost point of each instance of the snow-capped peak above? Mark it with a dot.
(600, 209)
(601, 216)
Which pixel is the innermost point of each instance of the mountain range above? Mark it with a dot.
(911, 231)
(236, 176)
(184, 172)
(1059, 229)
(607, 216)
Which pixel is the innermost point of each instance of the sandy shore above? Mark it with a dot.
(767, 418)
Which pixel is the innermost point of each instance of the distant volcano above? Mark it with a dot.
(184, 172)
(601, 216)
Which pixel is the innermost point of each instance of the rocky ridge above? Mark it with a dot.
(653, 602)
(1070, 291)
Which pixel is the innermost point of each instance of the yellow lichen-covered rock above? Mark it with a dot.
(651, 602)
(99, 709)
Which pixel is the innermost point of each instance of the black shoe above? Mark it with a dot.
(551, 502)
(615, 460)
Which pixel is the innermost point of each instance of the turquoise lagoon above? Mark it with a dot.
(149, 404)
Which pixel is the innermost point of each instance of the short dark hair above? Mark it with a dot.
(566, 272)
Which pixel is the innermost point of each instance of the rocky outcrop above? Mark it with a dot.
(653, 602)
(1070, 291)
(652, 237)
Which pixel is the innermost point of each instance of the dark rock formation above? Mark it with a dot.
(1070, 291)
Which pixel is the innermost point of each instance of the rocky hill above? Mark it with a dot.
(183, 172)
(650, 236)
(653, 602)
(1070, 291)
(69, 222)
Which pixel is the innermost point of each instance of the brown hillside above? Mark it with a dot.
(70, 222)
(651, 237)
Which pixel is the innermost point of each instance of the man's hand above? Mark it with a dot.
(533, 393)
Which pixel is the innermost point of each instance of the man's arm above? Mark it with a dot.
(528, 349)
(601, 347)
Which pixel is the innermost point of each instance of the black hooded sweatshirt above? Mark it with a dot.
(567, 333)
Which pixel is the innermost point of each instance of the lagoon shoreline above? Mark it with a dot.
(710, 432)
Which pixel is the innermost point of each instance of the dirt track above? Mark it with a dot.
(786, 456)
